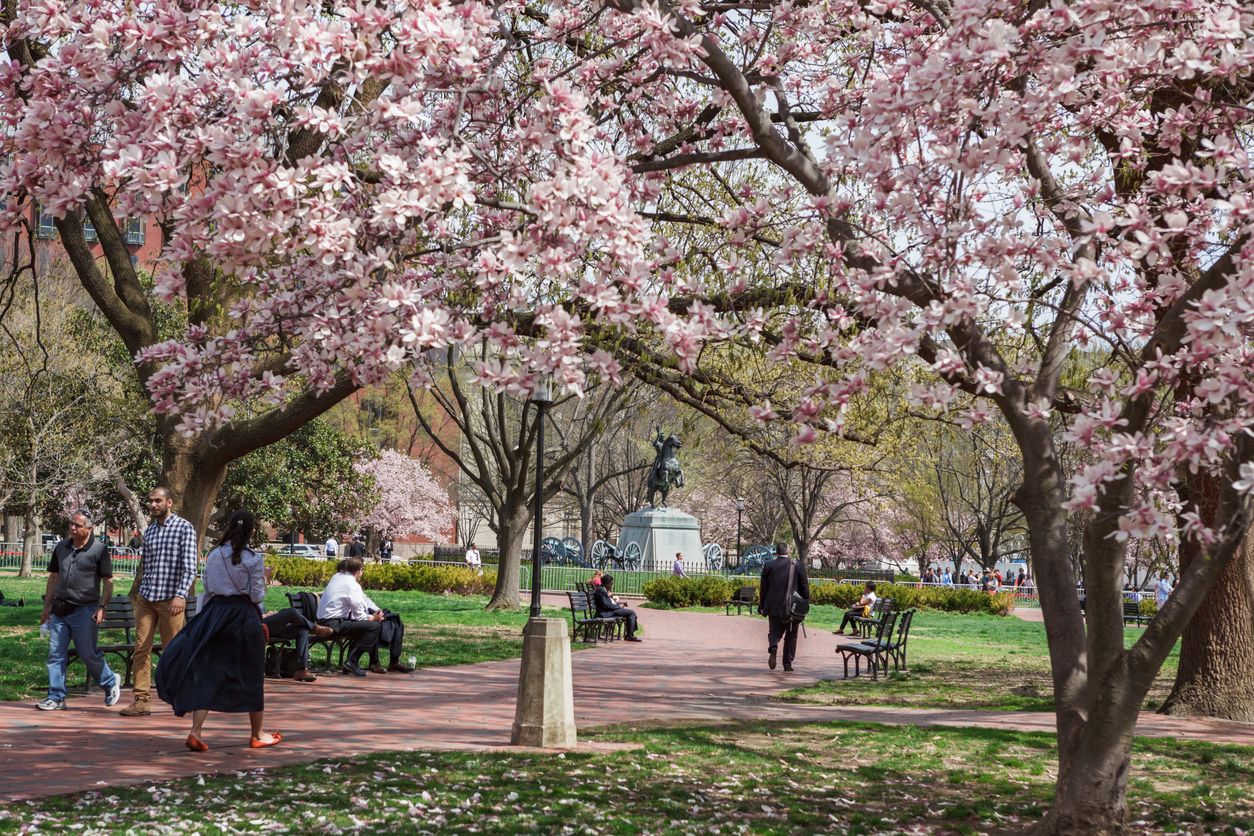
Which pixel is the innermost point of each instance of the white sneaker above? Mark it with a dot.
(113, 694)
(51, 705)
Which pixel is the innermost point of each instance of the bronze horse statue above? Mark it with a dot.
(666, 472)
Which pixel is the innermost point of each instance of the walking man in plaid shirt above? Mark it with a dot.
(167, 571)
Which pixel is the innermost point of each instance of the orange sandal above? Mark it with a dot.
(255, 743)
(194, 743)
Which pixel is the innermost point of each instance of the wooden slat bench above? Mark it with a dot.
(120, 616)
(876, 653)
(864, 625)
(583, 618)
(746, 596)
(1132, 613)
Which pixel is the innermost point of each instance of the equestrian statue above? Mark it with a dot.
(666, 472)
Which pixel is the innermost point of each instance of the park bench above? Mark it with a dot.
(876, 653)
(306, 603)
(120, 616)
(1132, 613)
(744, 597)
(584, 618)
(866, 625)
(895, 647)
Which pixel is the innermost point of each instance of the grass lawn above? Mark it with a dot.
(958, 661)
(964, 662)
(758, 778)
(439, 630)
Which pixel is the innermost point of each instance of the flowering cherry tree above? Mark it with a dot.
(964, 190)
(411, 503)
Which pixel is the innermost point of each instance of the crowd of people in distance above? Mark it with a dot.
(990, 581)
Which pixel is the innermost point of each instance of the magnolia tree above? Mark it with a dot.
(964, 190)
(411, 504)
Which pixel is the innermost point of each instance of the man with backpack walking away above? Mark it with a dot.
(781, 578)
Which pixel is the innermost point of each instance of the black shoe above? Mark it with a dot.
(633, 639)
(787, 668)
(770, 660)
(352, 670)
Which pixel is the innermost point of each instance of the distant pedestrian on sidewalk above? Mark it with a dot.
(774, 595)
(219, 662)
(678, 569)
(473, 562)
(73, 606)
(1162, 591)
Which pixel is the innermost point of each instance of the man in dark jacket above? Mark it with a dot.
(773, 597)
(606, 604)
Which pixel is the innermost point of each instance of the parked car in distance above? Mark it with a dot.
(309, 551)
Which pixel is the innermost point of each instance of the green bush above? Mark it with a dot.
(397, 577)
(704, 591)
(905, 597)
(1149, 607)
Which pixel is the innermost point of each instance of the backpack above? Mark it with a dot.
(796, 608)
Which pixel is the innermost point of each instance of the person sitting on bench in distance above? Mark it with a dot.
(860, 608)
(608, 605)
(346, 610)
(289, 624)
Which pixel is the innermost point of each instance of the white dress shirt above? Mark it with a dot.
(331, 548)
(344, 598)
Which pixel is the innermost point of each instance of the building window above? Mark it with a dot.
(89, 229)
(46, 228)
(135, 231)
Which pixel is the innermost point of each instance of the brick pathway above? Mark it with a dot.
(690, 666)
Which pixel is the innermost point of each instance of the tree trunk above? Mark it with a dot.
(1216, 674)
(28, 544)
(193, 481)
(510, 536)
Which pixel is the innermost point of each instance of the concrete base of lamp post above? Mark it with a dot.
(545, 714)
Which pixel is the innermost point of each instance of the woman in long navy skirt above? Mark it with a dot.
(217, 662)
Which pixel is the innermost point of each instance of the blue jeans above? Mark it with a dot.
(79, 627)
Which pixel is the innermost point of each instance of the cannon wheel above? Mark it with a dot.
(713, 556)
(601, 552)
(552, 552)
(631, 557)
(755, 558)
(574, 552)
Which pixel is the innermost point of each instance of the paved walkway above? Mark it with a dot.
(690, 666)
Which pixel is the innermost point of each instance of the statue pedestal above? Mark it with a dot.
(661, 532)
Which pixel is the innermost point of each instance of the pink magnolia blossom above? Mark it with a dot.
(411, 504)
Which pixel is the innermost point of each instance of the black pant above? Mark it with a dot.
(848, 615)
(368, 636)
(782, 628)
(364, 635)
(623, 612)
(290, 624)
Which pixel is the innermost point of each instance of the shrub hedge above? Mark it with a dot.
(703, 591)
(712, 590)
(297, 571)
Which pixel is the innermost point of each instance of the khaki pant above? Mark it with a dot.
(148, 615)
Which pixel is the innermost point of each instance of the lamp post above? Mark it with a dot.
(545, 712)
(740, 508)
(542, 397)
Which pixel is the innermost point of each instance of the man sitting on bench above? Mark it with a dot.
(608, 605)
(862, 608)
(346, 610)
